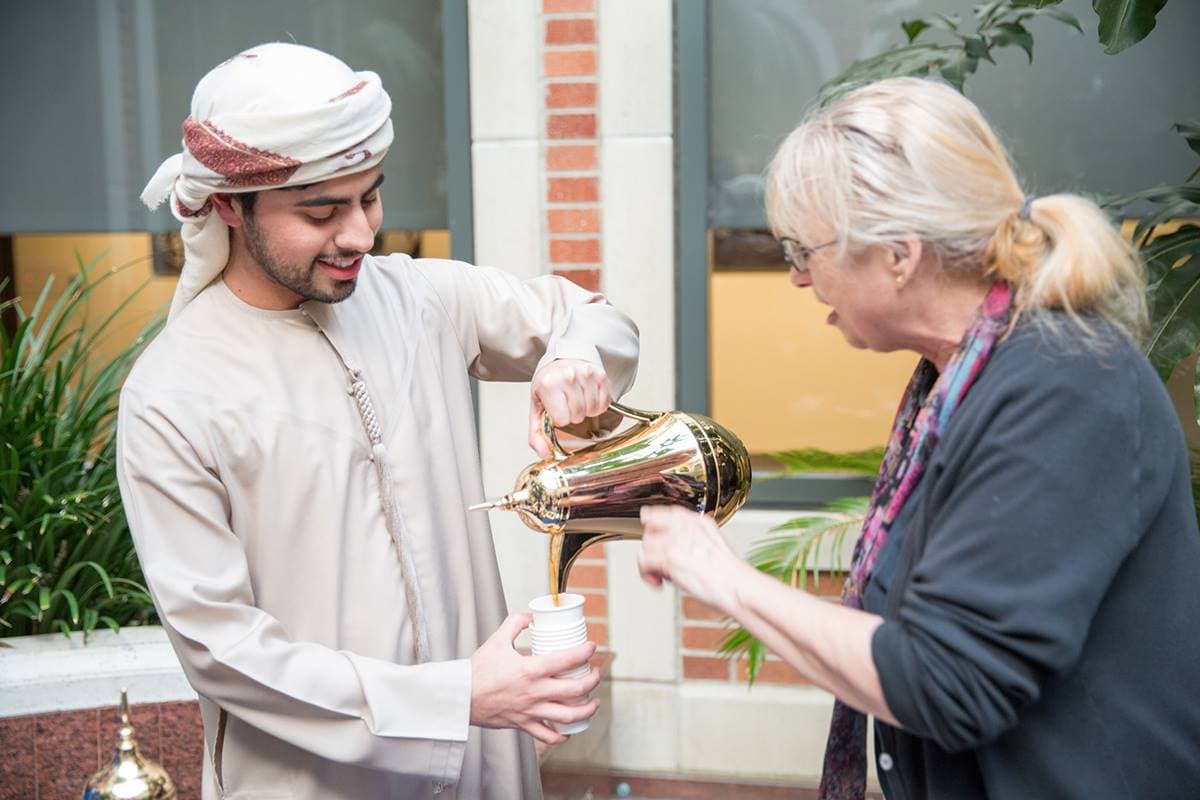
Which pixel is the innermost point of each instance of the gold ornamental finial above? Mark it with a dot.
(129, 776)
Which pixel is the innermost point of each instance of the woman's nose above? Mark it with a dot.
(799, 278)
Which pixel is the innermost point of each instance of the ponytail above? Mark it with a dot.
(1065, 255)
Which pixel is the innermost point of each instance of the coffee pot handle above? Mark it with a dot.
(644, 417)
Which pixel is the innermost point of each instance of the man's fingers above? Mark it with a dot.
(572, 690)
(600, 394)
(572, 391)
(583, 711)
(543, 732)
(537, 439)
(586, 684)
(557, 405)
(579, 405)
(567, 712)
(551, 664)
(591, 391)
(513, 624)
(589, 401)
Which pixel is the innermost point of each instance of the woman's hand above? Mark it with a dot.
(828, 643)
(685, 548)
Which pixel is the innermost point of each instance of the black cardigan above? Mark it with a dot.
(1042, 611)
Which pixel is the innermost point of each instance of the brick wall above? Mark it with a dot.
(571, 222)
(703, 627)
(589, 577)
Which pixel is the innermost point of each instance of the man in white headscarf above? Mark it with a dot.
(297, 451)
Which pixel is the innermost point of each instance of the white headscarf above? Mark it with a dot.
(275, 115)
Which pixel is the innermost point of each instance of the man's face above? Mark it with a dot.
(310, 240)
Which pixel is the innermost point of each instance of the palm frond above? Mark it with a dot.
(791, 552)
(860, 462)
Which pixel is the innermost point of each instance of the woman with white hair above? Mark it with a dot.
(1020, 616)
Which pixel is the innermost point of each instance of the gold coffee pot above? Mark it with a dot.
(597, 492)
(129, 776)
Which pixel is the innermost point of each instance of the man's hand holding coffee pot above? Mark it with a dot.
(574, 393)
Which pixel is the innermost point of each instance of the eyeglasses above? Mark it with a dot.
(797, 254)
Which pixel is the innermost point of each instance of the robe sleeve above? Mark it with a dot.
(509, 328)
(335, 704)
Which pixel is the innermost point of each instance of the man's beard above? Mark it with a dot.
(298, 279)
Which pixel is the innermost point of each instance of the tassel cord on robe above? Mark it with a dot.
(393, 520)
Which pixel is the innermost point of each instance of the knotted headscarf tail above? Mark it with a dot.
(275, 115)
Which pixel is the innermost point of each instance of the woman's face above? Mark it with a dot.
(860, 287)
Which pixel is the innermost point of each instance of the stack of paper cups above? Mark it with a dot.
(560, 627)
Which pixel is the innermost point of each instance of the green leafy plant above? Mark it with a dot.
(1173, 272)
(997, 24)
(1171, 252)
(66, 558)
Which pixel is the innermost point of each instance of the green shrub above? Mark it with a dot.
(66, 558)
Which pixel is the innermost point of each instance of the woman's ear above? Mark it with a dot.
(906, 256)
(229, 211)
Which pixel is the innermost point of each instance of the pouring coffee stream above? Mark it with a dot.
(596, 493)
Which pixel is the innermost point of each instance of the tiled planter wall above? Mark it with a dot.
(58, 714)
(51, 756)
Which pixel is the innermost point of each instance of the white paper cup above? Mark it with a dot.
(545, 648)
(565, 630)
(558, 628)
(548, 630)
(547, 616)
(560, 638)
(552, 645)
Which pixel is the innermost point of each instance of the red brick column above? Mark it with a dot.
(571, 230)
(570, 78)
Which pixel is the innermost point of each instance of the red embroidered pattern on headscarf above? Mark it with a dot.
(241, 164)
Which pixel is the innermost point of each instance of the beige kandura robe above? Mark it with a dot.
(248, 481)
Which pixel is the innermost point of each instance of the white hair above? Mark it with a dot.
(912, 157)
